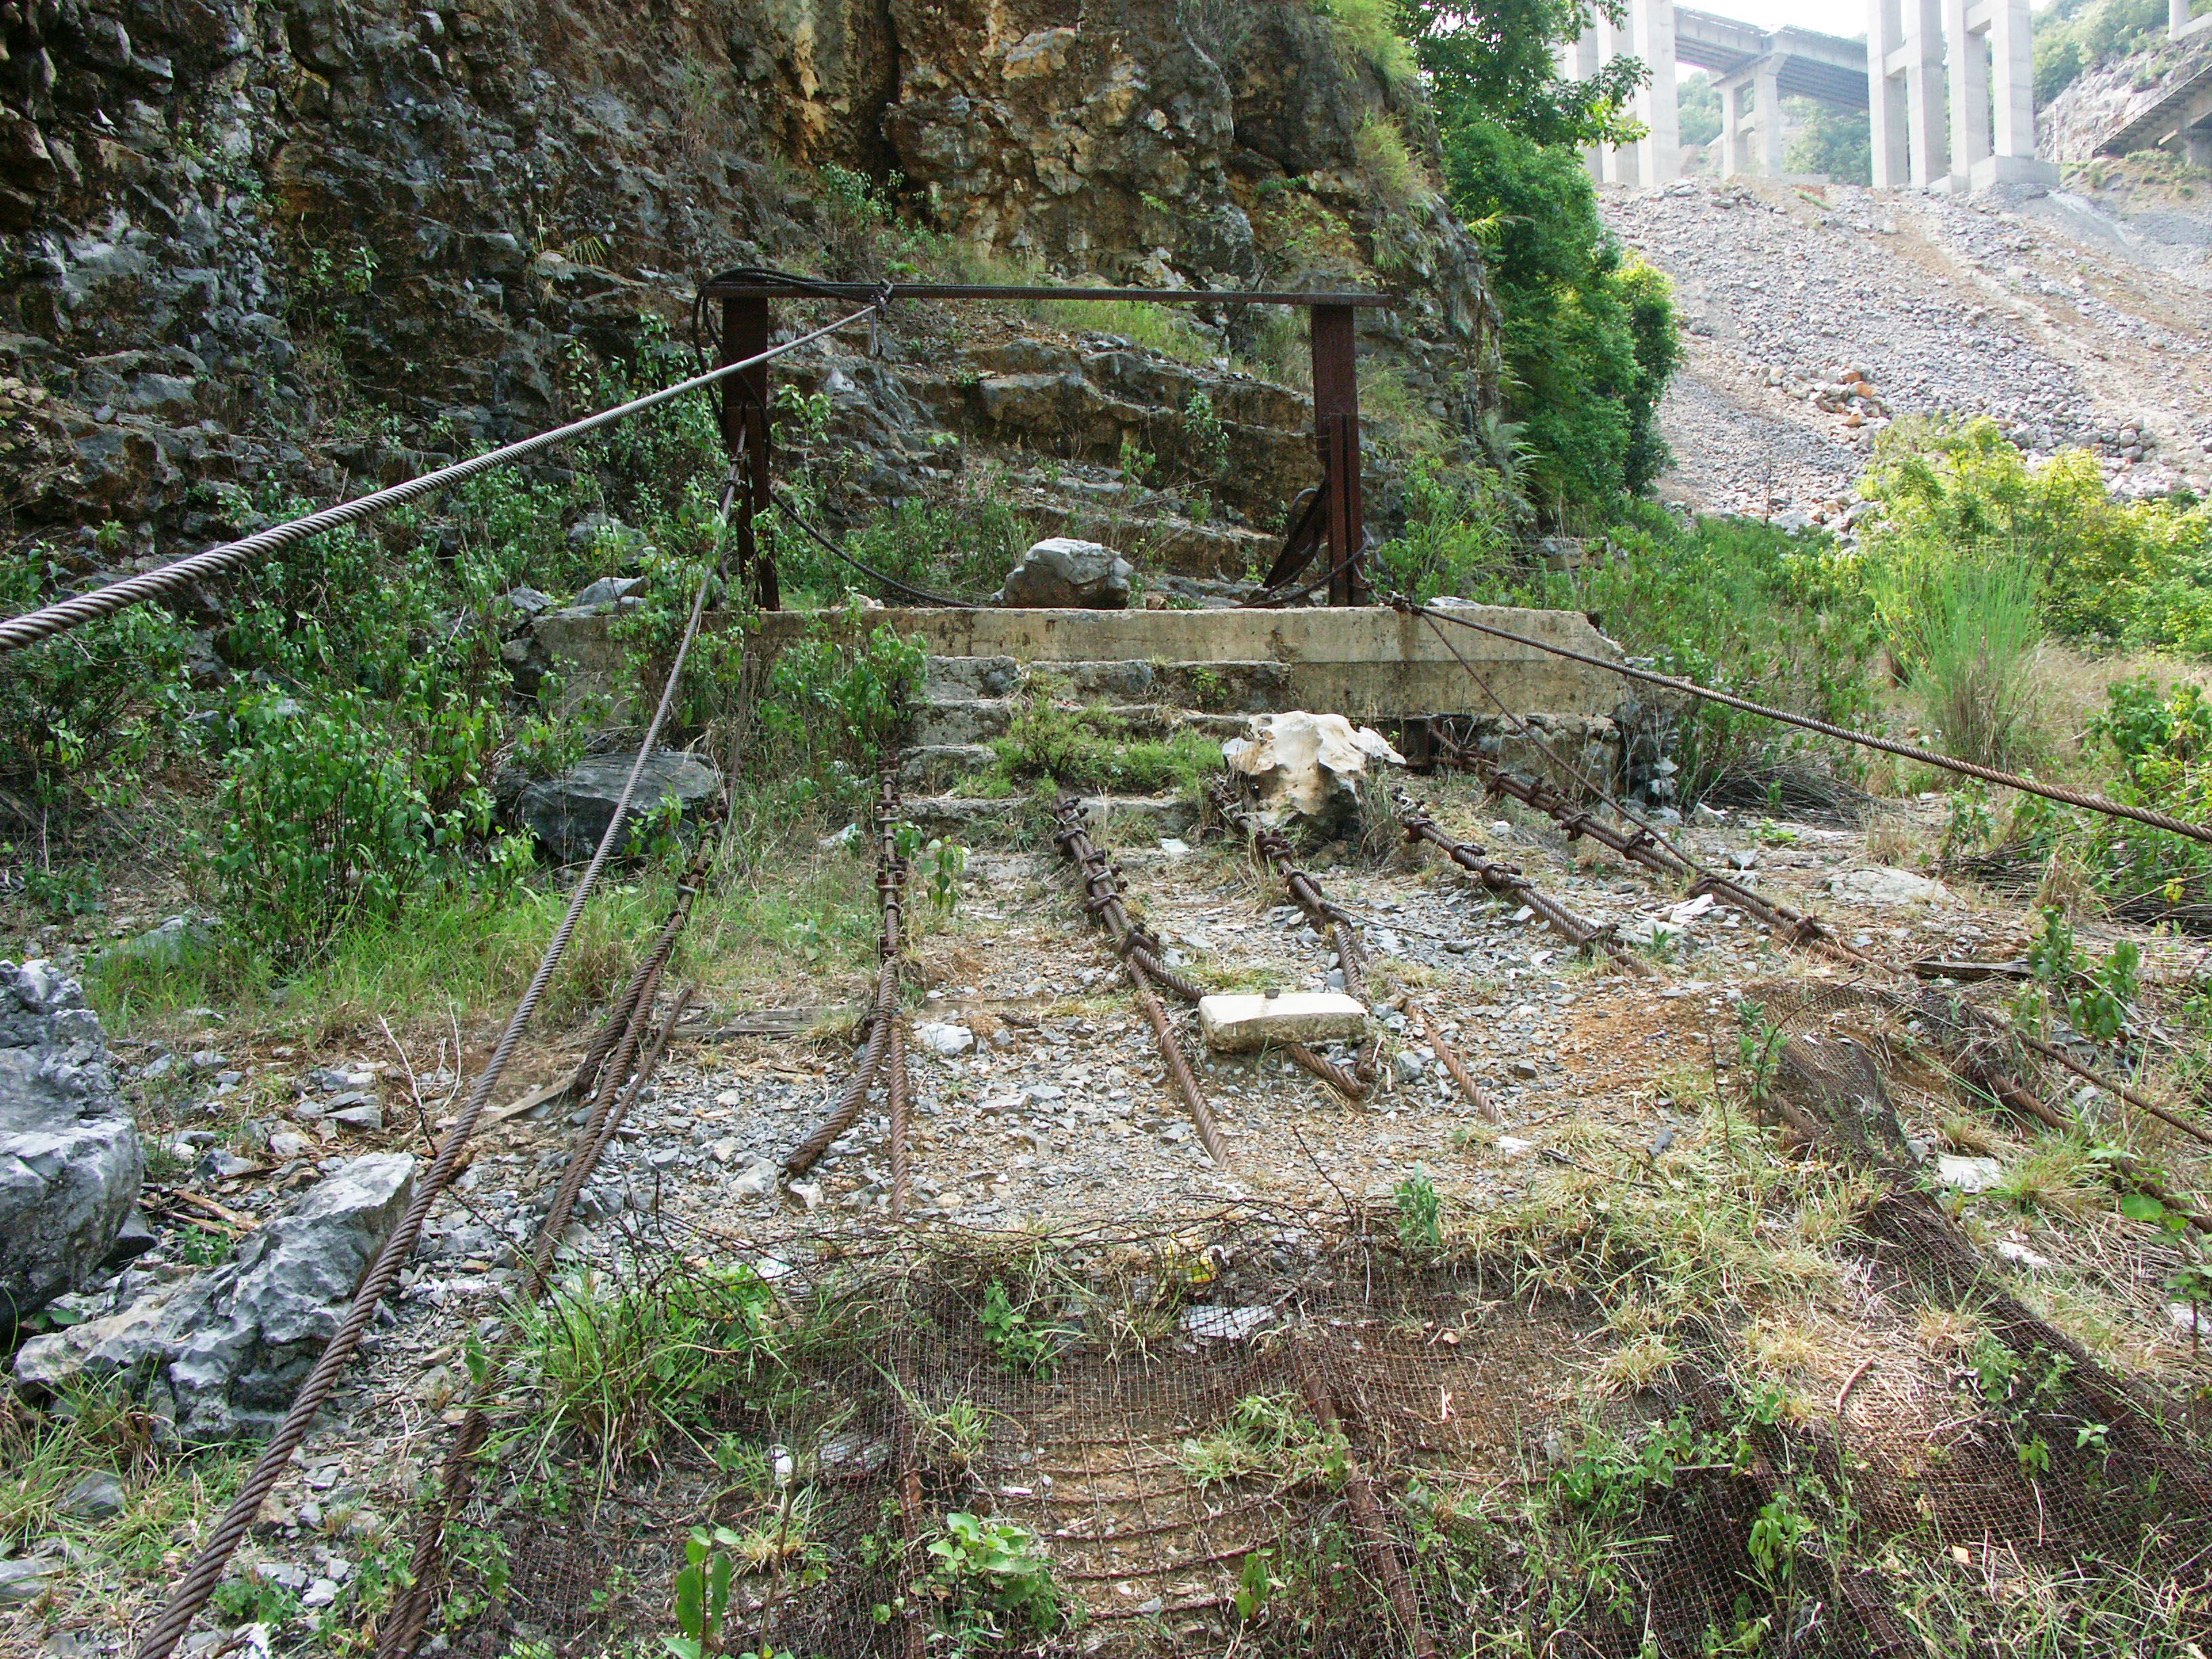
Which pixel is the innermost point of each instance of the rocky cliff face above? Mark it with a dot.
(227, 222)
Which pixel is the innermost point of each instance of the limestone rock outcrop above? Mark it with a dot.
(219, 1355)
(210, 206)
(70, 1159)
(1062, 573)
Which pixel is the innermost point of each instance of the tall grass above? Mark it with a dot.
(1977, 681)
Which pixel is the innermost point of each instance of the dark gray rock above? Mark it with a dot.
(69, 1156)
(1062, 573)
(218, 1356)
(570, 814)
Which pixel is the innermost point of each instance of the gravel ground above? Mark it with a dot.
(2066, 322)
(1057, 1110)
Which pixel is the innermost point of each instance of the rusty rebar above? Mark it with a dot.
(1498, 878)
(1345, 1083)
(1102, 903)
(1644, 847)
(1454, 1063)
(891, 896)
(1171, 1056)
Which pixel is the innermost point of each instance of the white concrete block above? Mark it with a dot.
(1236, 1025)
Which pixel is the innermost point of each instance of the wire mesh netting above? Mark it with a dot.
(1282, 1435)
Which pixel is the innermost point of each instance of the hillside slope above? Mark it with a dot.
(2079, 318)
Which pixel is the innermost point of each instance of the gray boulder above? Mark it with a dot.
(218, 1356)
(569, 813)
(1062, 573)
(69, 1156)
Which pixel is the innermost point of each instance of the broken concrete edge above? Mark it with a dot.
(1239, 1023)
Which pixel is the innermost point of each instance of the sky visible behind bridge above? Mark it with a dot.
(1846, 17)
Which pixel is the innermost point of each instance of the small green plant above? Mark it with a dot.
(945, 862)
(62, 893)
(1205, 440)
(2096, 996)
(994, 1580)
(1969, 828)
(1778, 1536)
(1023, 1342)
(1138, 462)
(1270, 1434)
(1420, 1227)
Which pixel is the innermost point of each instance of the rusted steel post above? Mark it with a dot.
(745, 436)
(1336, 435)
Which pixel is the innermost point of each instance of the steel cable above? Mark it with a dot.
(198, 1580)
(29, 628)
(2087, 802)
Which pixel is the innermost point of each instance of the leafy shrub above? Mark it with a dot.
(833, 702)
(1459, 538)
(1950, 492)
(1739, 605)
(992, 1579)
(109, 694)
(342, 810)
(964, 540)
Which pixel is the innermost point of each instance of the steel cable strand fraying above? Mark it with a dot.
(197, 1582)
(32, 626)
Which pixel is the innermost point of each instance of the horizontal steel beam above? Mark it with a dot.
(1167, 296)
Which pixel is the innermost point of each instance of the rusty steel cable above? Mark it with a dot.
(1584, 936)
(1477, 1095)
(197, 1582)
(29, 628)
(620, 1011)
(2087, 802)
(891, 896)
(895, 1109)
(1789, 926)
(1102, 902)
(403, 1634)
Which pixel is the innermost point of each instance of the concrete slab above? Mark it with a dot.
(1238, 1024)
(1365, 663)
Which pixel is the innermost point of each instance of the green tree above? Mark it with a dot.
(1588, 338)
(1838, 143)
(1492, 60)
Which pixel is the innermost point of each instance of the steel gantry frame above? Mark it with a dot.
(747, 320)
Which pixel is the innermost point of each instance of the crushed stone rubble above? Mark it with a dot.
(1814, 317)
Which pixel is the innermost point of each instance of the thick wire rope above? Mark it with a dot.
(2086, 801)
(29, 628)
(198, 1580)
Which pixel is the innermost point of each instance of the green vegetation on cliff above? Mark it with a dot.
(1589, 337)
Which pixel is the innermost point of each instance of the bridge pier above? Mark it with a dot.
(1902, 76)
(1905, 93)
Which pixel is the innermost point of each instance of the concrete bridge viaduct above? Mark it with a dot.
(1898, 75)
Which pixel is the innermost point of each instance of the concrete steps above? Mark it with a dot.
(1150, 675)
